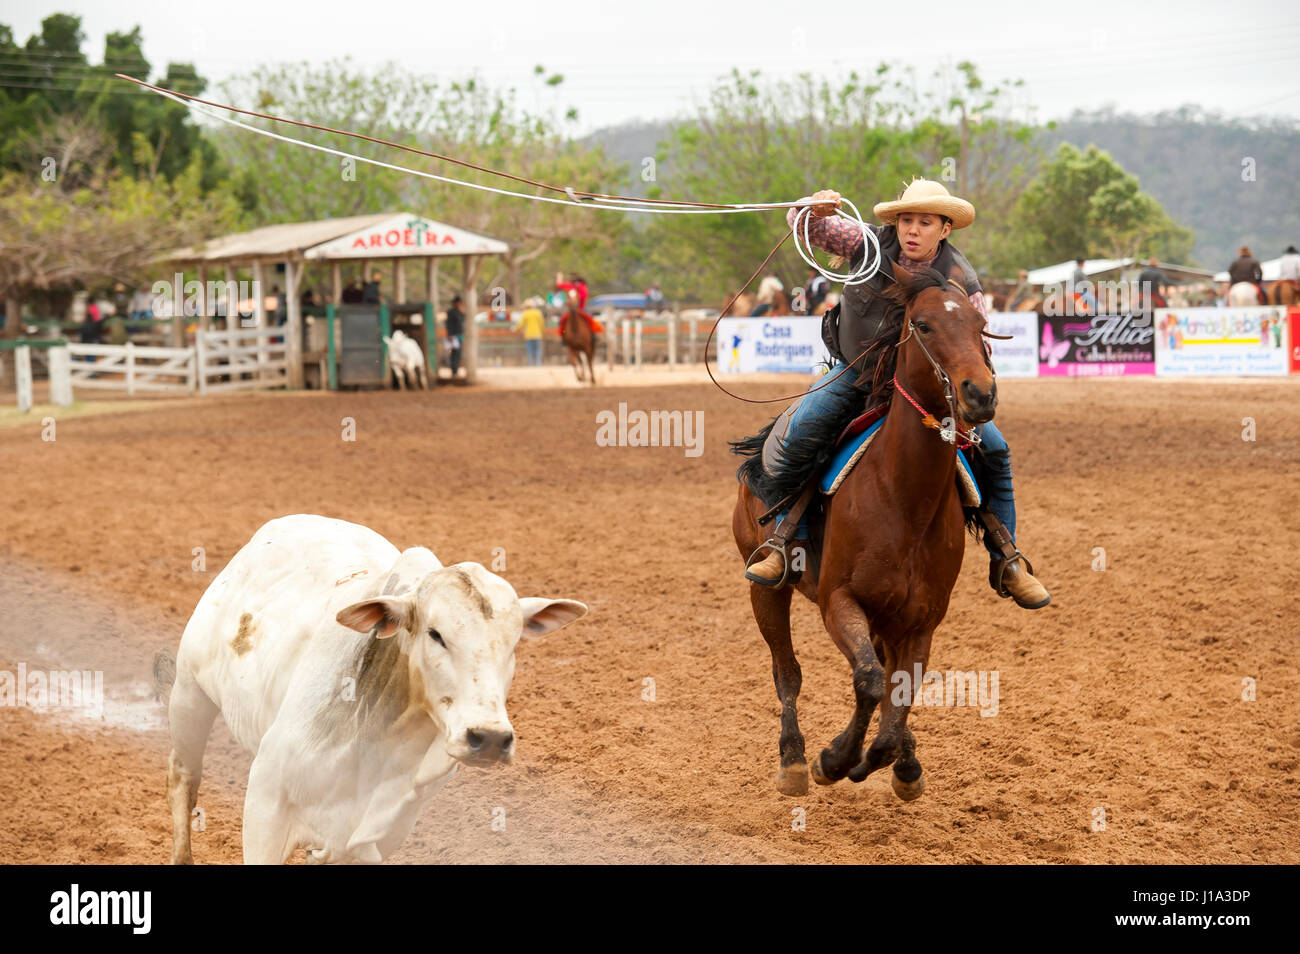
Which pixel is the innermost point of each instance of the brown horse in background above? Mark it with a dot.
(1284, 293)
(893, 540)
(580, 340)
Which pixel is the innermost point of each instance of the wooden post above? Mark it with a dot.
(336, 283)
(385, 331)
(695, 321)
(611, 335)
(399, 282)
(178, 314)
(259, 317)
(470, 356)
(205, 310)
(332, 364)
(130, 368)
(232, 299)
(60, 362)
(627, 342)
(672, 338)
(293, 309)
(638, 344)
(23, 376)
(201, 359)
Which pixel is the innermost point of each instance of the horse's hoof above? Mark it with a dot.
(792, 779)
(908, 791)
(818, 776)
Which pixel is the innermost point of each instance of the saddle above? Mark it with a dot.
(851, 444)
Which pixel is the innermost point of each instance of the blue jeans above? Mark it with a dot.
(534, 346)
(999, 494)
(997, 488)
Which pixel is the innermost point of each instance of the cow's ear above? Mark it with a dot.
(380, 618)
(542, 616)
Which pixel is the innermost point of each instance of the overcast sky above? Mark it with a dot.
(653, 59)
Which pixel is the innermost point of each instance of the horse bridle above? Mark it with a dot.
(969, 438)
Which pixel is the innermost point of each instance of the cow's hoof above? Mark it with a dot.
(792, 779)
(817, 774)
(908, 791)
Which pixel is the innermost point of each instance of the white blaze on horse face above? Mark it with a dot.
(950, 305)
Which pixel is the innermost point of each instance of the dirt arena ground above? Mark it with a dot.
(1124, 696)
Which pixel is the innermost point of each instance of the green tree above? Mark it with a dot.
(1085, 204)
(464, 119)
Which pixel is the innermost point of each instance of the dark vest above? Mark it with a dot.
(850, 326)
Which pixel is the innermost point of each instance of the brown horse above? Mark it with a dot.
(581, 342)
(1284, 292)
(892, 544)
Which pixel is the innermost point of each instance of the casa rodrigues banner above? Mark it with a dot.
(747, 345)
(1017, 358)
(1096, 346)
(1230, 341)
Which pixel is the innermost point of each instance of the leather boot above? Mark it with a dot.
(1017, 582)
(768, 571)
(1010, 574)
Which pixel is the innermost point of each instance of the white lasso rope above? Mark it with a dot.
(866, 269)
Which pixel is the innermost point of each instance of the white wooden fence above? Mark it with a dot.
(132, 368)
(241, 360)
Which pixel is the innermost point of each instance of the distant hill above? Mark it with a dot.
(1190, 161)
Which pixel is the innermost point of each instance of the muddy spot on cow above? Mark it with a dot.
(462, 579)
(243, 640)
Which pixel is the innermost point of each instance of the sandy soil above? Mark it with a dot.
(1125, 695)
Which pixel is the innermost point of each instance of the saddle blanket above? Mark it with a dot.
(850, 451)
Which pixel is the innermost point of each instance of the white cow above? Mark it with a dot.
(406, 358)
(359, 677)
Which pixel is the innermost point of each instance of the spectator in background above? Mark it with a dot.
(768, 289)
(353, 294)
(654, 298)
(141, 305)
(92, 328)
(1288, 267)
(1246, 268)
(370, 294)
(1022, 292)
(818, 287)
(454, 328)
(1151, 287)
(1082, 289)
(532, 323)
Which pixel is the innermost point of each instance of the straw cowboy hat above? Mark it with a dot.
(926, 195)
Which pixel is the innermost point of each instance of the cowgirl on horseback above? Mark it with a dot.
(915, 235)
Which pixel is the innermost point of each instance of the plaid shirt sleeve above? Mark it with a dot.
(831, 234)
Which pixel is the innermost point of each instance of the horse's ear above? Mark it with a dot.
(899, 289)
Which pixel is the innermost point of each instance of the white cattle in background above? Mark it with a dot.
(406, 358)
(359, 677)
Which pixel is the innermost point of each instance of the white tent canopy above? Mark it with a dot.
(1061, 273)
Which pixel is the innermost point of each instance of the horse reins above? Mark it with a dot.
(968, 438)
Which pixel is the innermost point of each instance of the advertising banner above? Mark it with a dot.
(747, 345)
(1229, 341)
(1099, 346)
(1017, 358)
